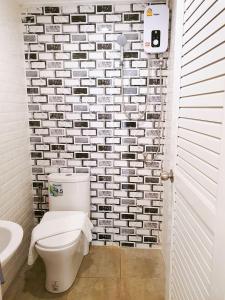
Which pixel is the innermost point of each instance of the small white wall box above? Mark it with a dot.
(156, 28)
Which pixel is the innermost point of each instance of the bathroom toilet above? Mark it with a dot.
(69, 196)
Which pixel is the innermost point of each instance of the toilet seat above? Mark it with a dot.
(61, 240)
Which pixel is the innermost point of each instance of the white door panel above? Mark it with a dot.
(194, 244)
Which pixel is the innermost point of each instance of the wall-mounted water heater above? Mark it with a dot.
(156, 28)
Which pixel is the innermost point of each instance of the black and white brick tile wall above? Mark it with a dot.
(76, 119)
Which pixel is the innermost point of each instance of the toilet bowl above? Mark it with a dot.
(62, 254)
(63, 251)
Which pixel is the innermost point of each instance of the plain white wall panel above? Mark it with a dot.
(15, 164)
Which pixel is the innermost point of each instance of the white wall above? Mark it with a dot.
(15, 170)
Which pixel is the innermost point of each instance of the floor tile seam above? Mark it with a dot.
(143, 277)
(120, 263)
(102, 277)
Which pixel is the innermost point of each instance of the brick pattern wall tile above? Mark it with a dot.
(77, 123)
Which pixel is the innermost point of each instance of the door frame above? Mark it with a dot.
(172, 112)
(218, 273)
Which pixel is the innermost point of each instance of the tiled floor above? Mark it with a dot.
(106, 273)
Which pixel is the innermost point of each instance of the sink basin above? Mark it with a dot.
(11, 235)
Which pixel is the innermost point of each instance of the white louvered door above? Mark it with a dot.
(197, 255)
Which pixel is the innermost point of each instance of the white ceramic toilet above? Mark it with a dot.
(62, 254)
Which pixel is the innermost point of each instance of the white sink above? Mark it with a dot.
(11, 235)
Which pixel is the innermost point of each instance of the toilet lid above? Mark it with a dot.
(60, 240)
(50, 215)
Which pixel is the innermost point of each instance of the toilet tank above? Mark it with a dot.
(69, 192)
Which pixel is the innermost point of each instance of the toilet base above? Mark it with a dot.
(63, 265)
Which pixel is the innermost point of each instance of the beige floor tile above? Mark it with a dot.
(142, 289)
(101, 262)
(141, 263)
(30, 285)
(107, 273)
(95, 289)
